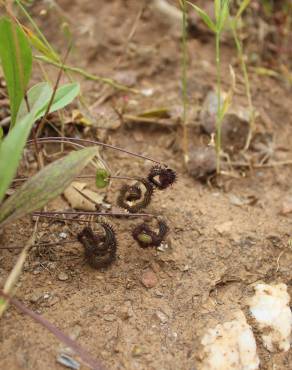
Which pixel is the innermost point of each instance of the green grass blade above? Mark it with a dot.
(224, 11)
(46, 185)
(244, 4)
(11, 149)
(16, 58)
(206, 19)
(217, 8)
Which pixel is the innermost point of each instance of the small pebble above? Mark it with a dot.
(137, 351)
(35, 297)
(202, 162)
(161, 317)
(159, 294)
(286, 206)
(125, 313)
(224, 228)
(163, 247)
(63, 276)
(149, 279)
(68, 361)
(63, 235)
(109, 317)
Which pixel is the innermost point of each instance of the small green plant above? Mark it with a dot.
(221, 8)
(26, 108)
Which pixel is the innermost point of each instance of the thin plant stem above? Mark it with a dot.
(22, 179)
(184, 80)
(71, 140)
(218, 116)
(93, 213)
(42, 244)
(87, 75)
(37, 29)
(41, 124)
(246, 82)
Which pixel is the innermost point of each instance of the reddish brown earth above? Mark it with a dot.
(215, 249)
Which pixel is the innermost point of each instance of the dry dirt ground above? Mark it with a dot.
(216, 249)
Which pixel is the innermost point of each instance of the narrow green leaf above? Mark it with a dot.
(11, 148)
(65, 95)
(223, 15)
(46, 185)
(1, 133)
(217, 7)
(102, 178)
(207, 20)
(16, 57)
(244, 4)
(38, 97)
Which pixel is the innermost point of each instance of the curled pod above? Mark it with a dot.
(133, 193)
(135, 197)
(146, 237)
(161, 177)
(100, 249)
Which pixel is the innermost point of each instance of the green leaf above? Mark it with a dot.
(224, 11)
(16, 57)
(102, 178)
(244, 4)
(46, 185)
(38, 97)
(1, 133)
(217, 7)
(11, 148)
(65, 95)
(204, 17)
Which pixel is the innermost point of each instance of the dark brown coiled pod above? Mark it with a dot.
(135, 197)
(161, 177)
(146, 237)
(100, 249)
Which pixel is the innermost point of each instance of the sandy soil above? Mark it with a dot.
(215, 249)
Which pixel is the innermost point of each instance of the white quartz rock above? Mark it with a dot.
(229, 346)
(270, 308)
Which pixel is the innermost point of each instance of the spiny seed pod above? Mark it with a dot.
(100, 249)
(148, 238)
(134, 193)
(161, 177)
(133, 198)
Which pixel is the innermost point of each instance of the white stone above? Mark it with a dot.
(270, 308)
(230, 346)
